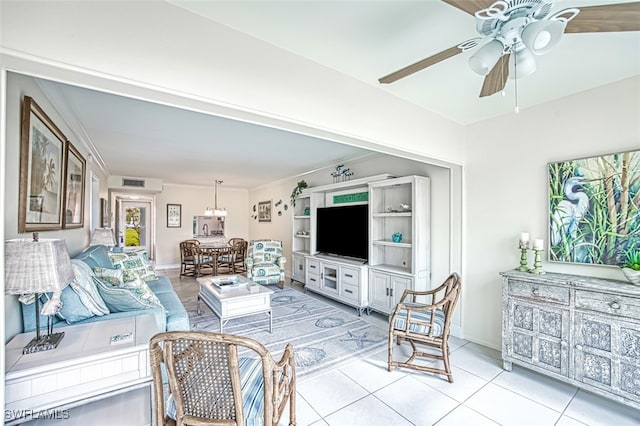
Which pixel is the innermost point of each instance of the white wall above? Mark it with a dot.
(194, 200)
(506, 186)
(76, 240)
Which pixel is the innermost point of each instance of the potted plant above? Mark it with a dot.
(631, 269)
(297, 191)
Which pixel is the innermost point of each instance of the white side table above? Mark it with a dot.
(85, 367)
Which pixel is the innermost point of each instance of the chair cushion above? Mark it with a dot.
(425, 316)
(252, 385)
(265, 270)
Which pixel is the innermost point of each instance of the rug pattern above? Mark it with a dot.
(323, 336)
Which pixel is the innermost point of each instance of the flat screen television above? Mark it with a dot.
(343, 231)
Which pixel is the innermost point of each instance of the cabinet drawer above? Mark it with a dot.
(313, 266)
(539, 292)
(351, 292)
(349, 276)
(313, 280)
(608, 303)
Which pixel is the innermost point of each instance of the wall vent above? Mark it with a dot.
(133, 183)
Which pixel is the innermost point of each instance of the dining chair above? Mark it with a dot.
(193, 260)
(424, 318)
(220, 379)
(233, 261)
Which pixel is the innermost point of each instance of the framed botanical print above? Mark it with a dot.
(264, 211)
(104, 213)
(74, 189)
(174, 215)
(43, 149)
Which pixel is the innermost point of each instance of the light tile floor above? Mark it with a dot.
(363, 392)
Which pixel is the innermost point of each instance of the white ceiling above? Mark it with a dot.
(369, 39)
(363, 39)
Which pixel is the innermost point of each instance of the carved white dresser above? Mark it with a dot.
(581, 330)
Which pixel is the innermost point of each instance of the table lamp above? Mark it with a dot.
(103, 236)
(38, 266)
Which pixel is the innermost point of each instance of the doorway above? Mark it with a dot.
(134, 223)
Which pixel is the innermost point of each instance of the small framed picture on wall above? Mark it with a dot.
(174, 215)
(264, 211)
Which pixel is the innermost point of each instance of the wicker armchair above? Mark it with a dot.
(210, 384)
(425, 324)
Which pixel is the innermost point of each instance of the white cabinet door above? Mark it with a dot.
(379, 291)
(298, 268)
(397, 286)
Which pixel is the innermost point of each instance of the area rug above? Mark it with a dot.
(323, 336)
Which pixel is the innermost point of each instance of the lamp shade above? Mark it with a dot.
(102, 236)
(486, 57)
(36, 266)
(541, 36)
(524, 64)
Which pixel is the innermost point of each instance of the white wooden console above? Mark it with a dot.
(340, 279)
(85, 367)
(580, 330)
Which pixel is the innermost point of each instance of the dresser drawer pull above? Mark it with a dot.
(312, 266)
(348, 291)
(312, 279)
(615, 305)
(348, 275)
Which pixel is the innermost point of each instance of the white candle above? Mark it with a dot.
(538, 244)
(524, 238)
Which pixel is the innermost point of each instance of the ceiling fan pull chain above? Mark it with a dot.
(515, 83)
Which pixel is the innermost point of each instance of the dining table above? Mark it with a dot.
(215, 250)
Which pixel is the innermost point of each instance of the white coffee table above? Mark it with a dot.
(248, 299)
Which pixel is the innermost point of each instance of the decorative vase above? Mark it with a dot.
(396, 237)
(632, 275)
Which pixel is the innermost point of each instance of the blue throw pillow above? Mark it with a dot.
(73, 310)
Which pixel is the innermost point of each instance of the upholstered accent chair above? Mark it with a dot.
(220, 379)
(265, 262)
(192, 260)
(424, 318)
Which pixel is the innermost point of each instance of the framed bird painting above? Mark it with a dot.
(594, 209)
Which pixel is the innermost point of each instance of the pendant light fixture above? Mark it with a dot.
(215, 211)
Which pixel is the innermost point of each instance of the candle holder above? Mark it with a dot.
(524, 267)
(537, 263)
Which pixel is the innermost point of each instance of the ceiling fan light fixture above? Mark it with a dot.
(486, 57)
(524, 64)
(542, 36)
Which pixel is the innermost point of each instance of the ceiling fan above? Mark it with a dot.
(522, 29)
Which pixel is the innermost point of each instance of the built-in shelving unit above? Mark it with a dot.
(398, 206)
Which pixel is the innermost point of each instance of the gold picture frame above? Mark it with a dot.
(43, 150)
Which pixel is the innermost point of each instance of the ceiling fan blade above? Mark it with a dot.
(606, 18)
(470, 6)
(420, 65)
(497, 77)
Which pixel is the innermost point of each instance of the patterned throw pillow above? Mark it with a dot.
(135, 263)
(115, 277)
(127, 296)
